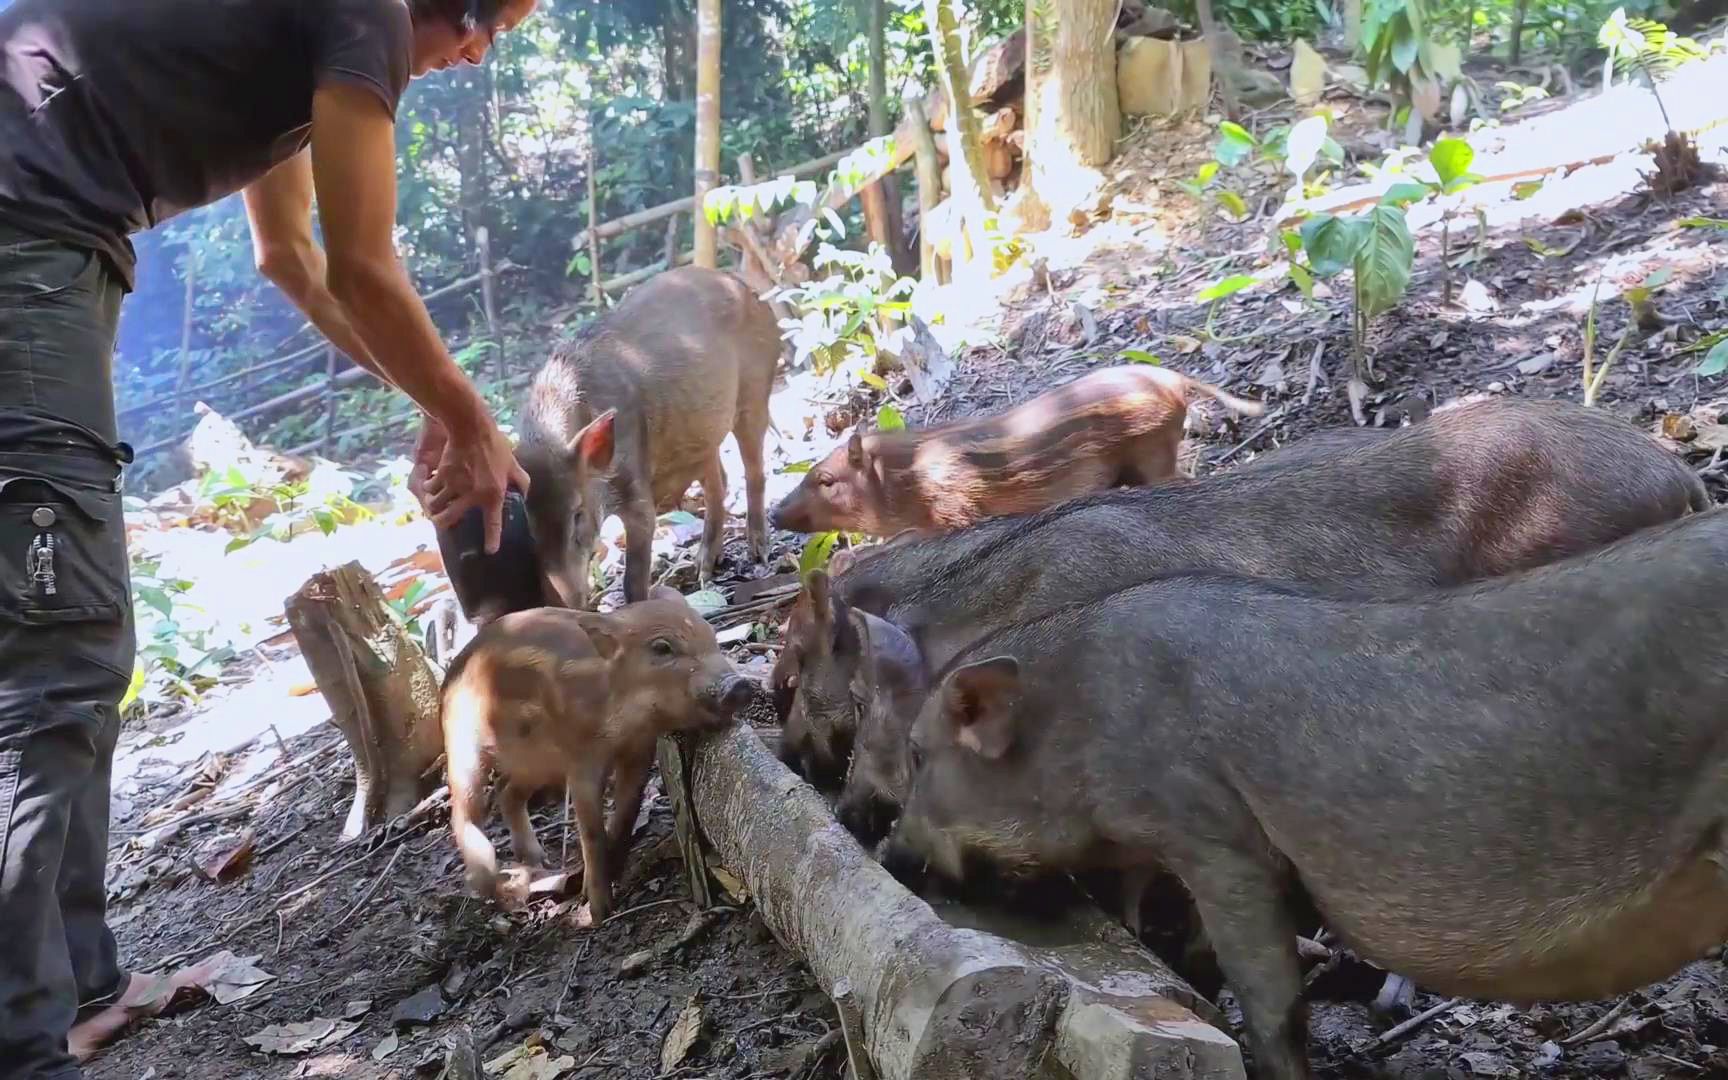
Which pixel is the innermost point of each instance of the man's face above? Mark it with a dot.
(438, 45)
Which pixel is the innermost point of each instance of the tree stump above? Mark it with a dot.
(382, 694)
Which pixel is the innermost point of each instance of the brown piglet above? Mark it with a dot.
(626, 417)
(1115, 426)
(552, 696)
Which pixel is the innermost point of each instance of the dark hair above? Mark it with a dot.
(462, 14)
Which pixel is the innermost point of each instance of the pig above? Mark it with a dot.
(1475, 491)
(624, 418)
(551, 696)
(1514, 790)
(849, 665)
(486, 586)
(1116, 425)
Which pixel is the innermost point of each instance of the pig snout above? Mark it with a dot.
(785, 514)
(727, 696)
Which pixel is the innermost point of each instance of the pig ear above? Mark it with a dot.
(979, 699)
(603, 632)
(593, 444)
(855, 450)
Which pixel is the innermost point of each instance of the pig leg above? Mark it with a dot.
(713, 519)
(629, 778)
(514, 803)
(466, 762)
(1151, 459)
(1241, 905)
(586, 788)
(750, 432)
(638, 517)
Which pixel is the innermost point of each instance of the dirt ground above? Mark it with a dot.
(375, 942)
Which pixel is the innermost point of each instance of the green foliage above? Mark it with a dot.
(845, 313)
(888, 418)
(1715, 361)
(1140, 356)
(818, 550)
(1218, 290)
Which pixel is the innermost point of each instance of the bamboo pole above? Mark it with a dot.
(707, 126)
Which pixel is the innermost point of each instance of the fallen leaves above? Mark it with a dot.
(230, 978)
(685, 1033)
(302, 1038)
(529, 1063)
(227, 858)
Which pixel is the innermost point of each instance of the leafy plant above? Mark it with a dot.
(1594, 376)
(845, 314)
(175, 655)
(1402, 56)
(1650, 48)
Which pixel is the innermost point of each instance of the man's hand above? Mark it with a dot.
(475, 470)
(428, 452)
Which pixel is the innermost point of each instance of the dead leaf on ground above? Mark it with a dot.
(1184, 344)
(686, 1031)
(736, 890)
(529, 1063)
(301, 1038)
(384, 1049)
(229, 860)
(1679, 427)
(1711, 437)
(354, 1010)
(231, 978)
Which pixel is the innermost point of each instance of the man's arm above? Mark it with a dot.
(354, 175)
(279, 209)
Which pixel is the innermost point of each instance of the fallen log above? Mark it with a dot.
(382, 694)
(933, 997)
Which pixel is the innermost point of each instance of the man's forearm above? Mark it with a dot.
(375, 299)
(305, 286)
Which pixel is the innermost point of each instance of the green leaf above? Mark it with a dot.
(1140, 356)
(325, 520)
(817, 550)
(678, 517)
(1332, 242)
(157, 599)
(1658, 277)
(1704, 223)
(135, 687)
(1303, 279)
(870, 378)
(1234, 144)
(1303, 145)
(1451, 158)
(1292, 242)
(1206, 173)
(1233, 203)
(706, 601)
(1403, 194)
(1459, 183)
(888, 418)
(236, 544)
(1384, 260)
(1218, 290)
(796, 468)
(1716, 360)
(1404, 45)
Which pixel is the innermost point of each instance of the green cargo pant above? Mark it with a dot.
(66, 642)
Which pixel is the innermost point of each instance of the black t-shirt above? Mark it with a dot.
(116, 115)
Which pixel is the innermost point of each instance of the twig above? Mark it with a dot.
(1392, 1035)
(370, 892)
(280, 841)
(1273, 417)
(1602, 1024)
(616, 915)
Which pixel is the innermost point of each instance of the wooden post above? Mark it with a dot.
(382, 694)
(707, 126)
(329, 399)
(672, 241)
(488, 304)
(747, 177)
(192, 261)
(929, 186)
(594, 225)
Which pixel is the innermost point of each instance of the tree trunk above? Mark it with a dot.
(881, 200)
(1072, 113)
(1223, 67)
(1352, 25)
(929, 188)
(1518, 12)
(382, 694)
(185, 373)
(960, 994)
(965, 150)
(707, 125)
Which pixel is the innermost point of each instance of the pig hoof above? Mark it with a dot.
(511, 890)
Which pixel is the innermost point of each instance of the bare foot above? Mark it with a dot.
(144, 996)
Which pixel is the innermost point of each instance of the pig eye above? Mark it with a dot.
(661, 647)
(825, 481)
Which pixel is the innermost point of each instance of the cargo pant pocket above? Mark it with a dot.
(64, 585)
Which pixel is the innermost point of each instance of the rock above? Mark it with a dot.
(421, 1009)
(1307, 74)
